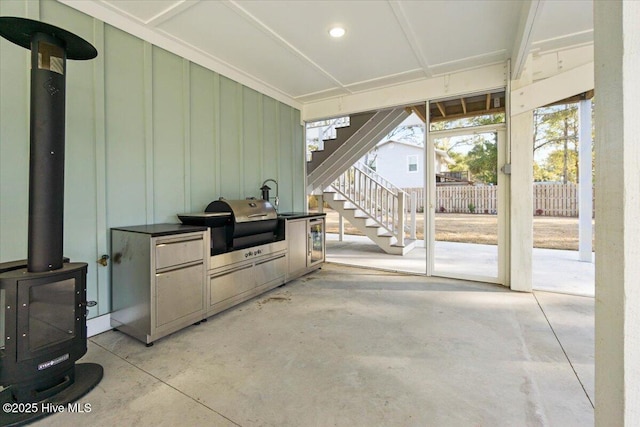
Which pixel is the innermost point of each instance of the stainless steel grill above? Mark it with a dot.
(253, 222)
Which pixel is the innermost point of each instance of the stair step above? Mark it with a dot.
(368, 224)
(407, 242)
(356, 121)
(318, 157)
(402, 250)
(342, 135)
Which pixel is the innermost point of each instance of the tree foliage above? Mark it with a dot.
(556, 125)
(556, 144)
(556, 169)
(482, 161)
(410, 133)
(460, 161)
(478, 153)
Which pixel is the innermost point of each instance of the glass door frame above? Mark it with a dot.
(503, 201)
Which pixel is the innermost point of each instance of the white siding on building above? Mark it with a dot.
(392, 162)
(402, 163)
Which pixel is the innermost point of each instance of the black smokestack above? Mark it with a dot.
(46, 161)
(50, 46)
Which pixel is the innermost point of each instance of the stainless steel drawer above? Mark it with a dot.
(178, 293)
(176, 252)
(270, 270)
(230, 284)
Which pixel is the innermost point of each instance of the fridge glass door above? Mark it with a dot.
(316, 232)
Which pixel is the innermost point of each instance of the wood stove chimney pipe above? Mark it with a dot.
(50, 47)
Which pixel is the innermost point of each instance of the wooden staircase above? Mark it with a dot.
(351, 143)
(372, 205)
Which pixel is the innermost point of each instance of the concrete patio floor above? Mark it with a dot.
(347, 346)
(554, 270)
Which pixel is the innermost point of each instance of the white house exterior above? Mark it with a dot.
(401, 162)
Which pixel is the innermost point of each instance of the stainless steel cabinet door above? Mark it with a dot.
(178, 293)
(297, 239)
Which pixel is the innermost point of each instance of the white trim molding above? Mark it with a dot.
(98, 325)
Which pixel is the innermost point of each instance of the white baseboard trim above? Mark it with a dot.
(98, 325)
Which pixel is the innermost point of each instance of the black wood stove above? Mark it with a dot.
(43, 327)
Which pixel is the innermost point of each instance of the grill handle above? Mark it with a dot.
(256, 215)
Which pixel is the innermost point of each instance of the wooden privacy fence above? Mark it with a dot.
(548, 199)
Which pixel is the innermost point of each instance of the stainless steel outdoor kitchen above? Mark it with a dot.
(169, 276)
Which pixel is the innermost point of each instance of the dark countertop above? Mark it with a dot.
(162, 229)
(299, 215)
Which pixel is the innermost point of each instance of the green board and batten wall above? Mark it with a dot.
(149, 134)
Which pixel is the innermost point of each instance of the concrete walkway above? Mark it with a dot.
(353, 347)
(553, 270)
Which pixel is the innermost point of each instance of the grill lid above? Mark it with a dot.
(247, 210)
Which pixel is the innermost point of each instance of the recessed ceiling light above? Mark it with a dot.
(337, 32)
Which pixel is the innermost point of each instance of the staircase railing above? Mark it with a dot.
(410, 198)
(377, 177)
(384, 205)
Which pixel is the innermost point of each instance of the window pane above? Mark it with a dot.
(413, 163)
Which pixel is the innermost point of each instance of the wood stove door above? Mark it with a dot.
(49, 310)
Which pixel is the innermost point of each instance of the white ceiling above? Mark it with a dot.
(284, 46)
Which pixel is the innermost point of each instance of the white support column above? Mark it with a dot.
(503, 210)
(585, 186)
(617, 320)
(521, 212)
(340, 227)
(521, 272)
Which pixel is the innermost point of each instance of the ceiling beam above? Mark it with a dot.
(575, 98)
(529, 17)
(464, 105)
(173, 10)
(496, 110)
(238, 8)
(410, 35)
(475, 80)
(441, 108)
(419, 111)
(549, 90)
